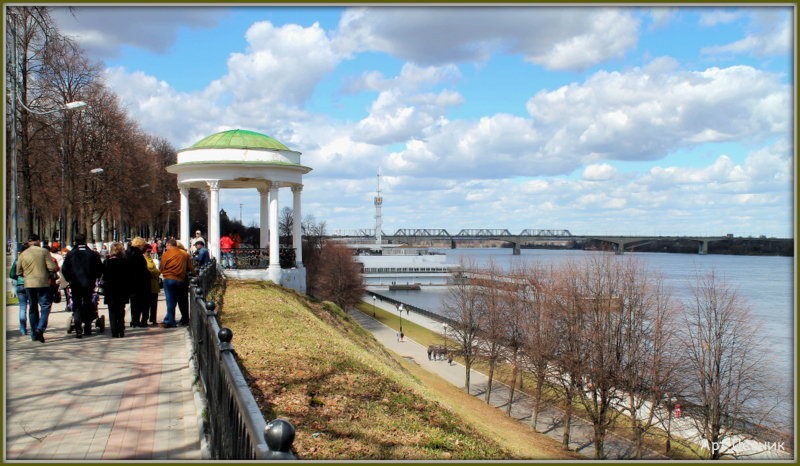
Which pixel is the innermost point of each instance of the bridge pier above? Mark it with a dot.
(703, 247)
(452, 243)
(517, 249)
(619, 248)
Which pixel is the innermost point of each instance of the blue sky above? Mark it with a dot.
(667, 120)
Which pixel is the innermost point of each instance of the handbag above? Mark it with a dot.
(55, 294)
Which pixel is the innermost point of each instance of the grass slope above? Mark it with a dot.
(348, 397)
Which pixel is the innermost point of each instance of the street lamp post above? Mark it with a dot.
(400, 312)
(373, 306)
(13, 149)
(169, 210)
(444, 327)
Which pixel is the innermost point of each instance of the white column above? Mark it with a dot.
(213, 219)
(185, 216)
(263, 192)
(297, 226)
(274, 235)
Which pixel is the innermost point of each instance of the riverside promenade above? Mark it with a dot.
(98, 398)
(550, 421)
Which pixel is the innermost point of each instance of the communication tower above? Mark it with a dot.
(378, 217)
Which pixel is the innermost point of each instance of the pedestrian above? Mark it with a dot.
(22, 295)
(225, 245)
(430, 351)
(82, 268)
(450, 358)
(174, 268)
(193, 243)
(36, 266)
(152, 307)
(201, 258)
(103, 252)
(402, 336)
(140, 282)
(116, 288)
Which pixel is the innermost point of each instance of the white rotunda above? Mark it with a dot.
(240, 159)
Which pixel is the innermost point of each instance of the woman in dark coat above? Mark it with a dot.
(140, 282)
(116, 288)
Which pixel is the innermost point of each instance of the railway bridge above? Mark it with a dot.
(418, 236)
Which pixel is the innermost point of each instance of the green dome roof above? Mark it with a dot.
(239, 139)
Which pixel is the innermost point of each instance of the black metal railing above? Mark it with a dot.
(237, 428)
(255, 258)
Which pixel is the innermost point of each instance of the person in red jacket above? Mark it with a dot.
(226, 248)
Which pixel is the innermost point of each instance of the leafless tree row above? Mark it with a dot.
(603, 337)
(59, 153)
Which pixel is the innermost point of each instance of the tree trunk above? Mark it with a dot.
(567, 422)
(468, 365)
(537, 400)
(513, 383)
(599, 438)
(489, 384)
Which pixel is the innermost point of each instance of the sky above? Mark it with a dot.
(597, 120)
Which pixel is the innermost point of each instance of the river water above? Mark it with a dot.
(765, 282)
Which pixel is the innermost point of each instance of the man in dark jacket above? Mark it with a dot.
(82, 268)
(140, 282)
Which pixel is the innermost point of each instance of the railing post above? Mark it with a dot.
(225, 336)
(279, 435)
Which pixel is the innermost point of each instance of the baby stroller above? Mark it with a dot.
(99, 321)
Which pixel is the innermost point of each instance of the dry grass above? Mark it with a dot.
(348, 398)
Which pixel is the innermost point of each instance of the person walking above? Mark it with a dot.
(140, 282)
(174, 268)
(22, 295)
(82, 268)
(116, 288)
(36, 266)
(152, 304)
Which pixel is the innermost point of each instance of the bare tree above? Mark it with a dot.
(338, 278)
(539, 332)
(462, 307)
(649, 361)
(490, 284)
(569, 324)
(727, 381)
(516, 309)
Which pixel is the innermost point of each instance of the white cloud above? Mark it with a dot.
(269, 71)
(599, 172)
(643, 115)
(556, 38)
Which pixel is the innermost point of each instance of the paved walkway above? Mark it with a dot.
(99, 398)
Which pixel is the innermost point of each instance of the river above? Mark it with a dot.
(765, 282)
